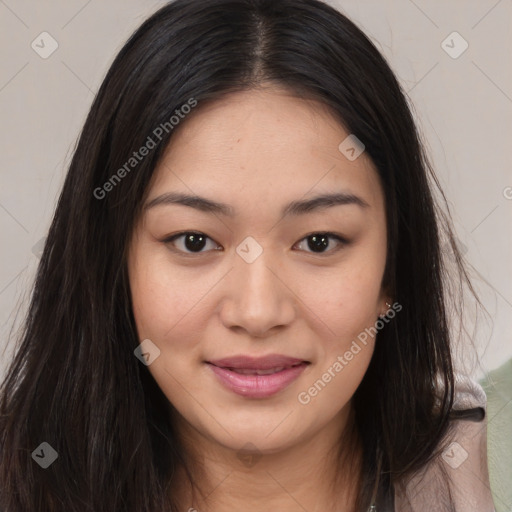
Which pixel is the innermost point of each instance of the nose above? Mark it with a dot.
(257, 298)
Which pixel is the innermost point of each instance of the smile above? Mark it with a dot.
(257, 377)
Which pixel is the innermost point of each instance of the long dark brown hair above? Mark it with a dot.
(74, 381)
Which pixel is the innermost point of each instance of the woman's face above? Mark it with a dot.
(261, 280)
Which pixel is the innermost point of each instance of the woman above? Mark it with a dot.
(241, 302)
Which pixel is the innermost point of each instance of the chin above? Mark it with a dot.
(266, 437)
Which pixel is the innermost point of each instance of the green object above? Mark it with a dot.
(498, 388)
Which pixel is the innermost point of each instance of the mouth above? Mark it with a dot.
(270, 371)
(257, 377)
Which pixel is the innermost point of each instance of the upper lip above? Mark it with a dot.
(256, 363)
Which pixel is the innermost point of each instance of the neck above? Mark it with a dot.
(321, 473)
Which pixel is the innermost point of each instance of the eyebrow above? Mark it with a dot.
(303, 206)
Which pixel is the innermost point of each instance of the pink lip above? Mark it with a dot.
(257, 386)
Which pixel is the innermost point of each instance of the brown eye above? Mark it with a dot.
(320, 242)
(192, 242)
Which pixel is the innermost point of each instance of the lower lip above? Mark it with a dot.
(257, 386)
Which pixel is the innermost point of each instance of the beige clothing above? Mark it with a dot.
(462, 468)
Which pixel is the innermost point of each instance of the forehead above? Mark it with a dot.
(262, 144)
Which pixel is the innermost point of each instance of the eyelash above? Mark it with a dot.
(343, 242)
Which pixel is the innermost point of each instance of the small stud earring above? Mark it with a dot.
(384, 314)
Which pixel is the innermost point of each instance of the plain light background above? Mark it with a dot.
(462, 103)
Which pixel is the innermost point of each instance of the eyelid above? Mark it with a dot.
(341, 240)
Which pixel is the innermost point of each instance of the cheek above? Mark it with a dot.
(166, 307)
(162, 300)
(344, 299)
(346, 306)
